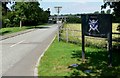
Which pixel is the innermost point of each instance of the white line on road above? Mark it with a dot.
(17, 43)
(36, 69)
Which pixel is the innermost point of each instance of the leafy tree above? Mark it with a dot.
(102, 12)
(48, 11)
(32, 12)
(118, 28)
(4, 8)
(73, 19)
(96, 12)
(26, 13)
(0, 15)
(108, 11)
(0, 11)
(116, 8)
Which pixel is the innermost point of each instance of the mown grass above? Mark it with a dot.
(60, 55)
(9, 30)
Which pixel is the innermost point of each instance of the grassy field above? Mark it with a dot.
(95, 41)
(10, 30)
(60, 55)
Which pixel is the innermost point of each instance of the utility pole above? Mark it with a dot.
(58, 8)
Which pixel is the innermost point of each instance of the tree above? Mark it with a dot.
(96, 12)
(73, 19)
(28, 12)
(19, 10)
(118, 28)
(0, 11)
(108, 11)
(0, 15)
(4, 8)
(25, 13)
(102, 12)
(116, 8)
(48, 11)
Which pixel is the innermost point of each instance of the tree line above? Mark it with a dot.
(23, 13)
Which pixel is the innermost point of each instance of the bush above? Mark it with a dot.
(73, 19)
(118, 28)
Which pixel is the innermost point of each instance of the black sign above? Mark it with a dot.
(97, 25)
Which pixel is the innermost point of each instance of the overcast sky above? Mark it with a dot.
(72, 6)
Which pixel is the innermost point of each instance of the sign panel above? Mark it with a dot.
(97, 25)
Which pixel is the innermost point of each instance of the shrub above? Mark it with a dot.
(118, 28)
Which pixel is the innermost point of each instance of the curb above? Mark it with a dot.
(15, 34)
(36, 69)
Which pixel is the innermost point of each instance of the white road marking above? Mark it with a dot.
(37, 64)
(17, 43)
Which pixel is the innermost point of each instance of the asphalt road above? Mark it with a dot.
(20, 53)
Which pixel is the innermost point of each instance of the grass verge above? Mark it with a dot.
(60, 55)
(9, 30)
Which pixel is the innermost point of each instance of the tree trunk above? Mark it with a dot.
(20, 23)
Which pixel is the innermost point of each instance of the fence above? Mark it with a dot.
(73, 35)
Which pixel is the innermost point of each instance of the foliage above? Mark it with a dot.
(0, 11)
(29, 13)
(4, 8)
(108, 11)
(116, 9)
(73, 19)
(0, 15)
(118, 28)
(96, 12)
(9, 30)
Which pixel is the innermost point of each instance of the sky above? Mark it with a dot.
(72, 6)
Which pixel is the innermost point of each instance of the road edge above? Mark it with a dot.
(15, 34)
(36, 66)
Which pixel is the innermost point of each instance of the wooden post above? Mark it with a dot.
(58, 33)
(83, 48)
(67, 35)
(110, 49)
(83, 45)
(20, 23)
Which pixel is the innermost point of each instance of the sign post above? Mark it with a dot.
(97, 25)
(110, 49)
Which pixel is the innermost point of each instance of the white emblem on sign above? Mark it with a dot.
(93, 25)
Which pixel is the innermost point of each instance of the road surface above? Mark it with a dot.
(20, 53)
